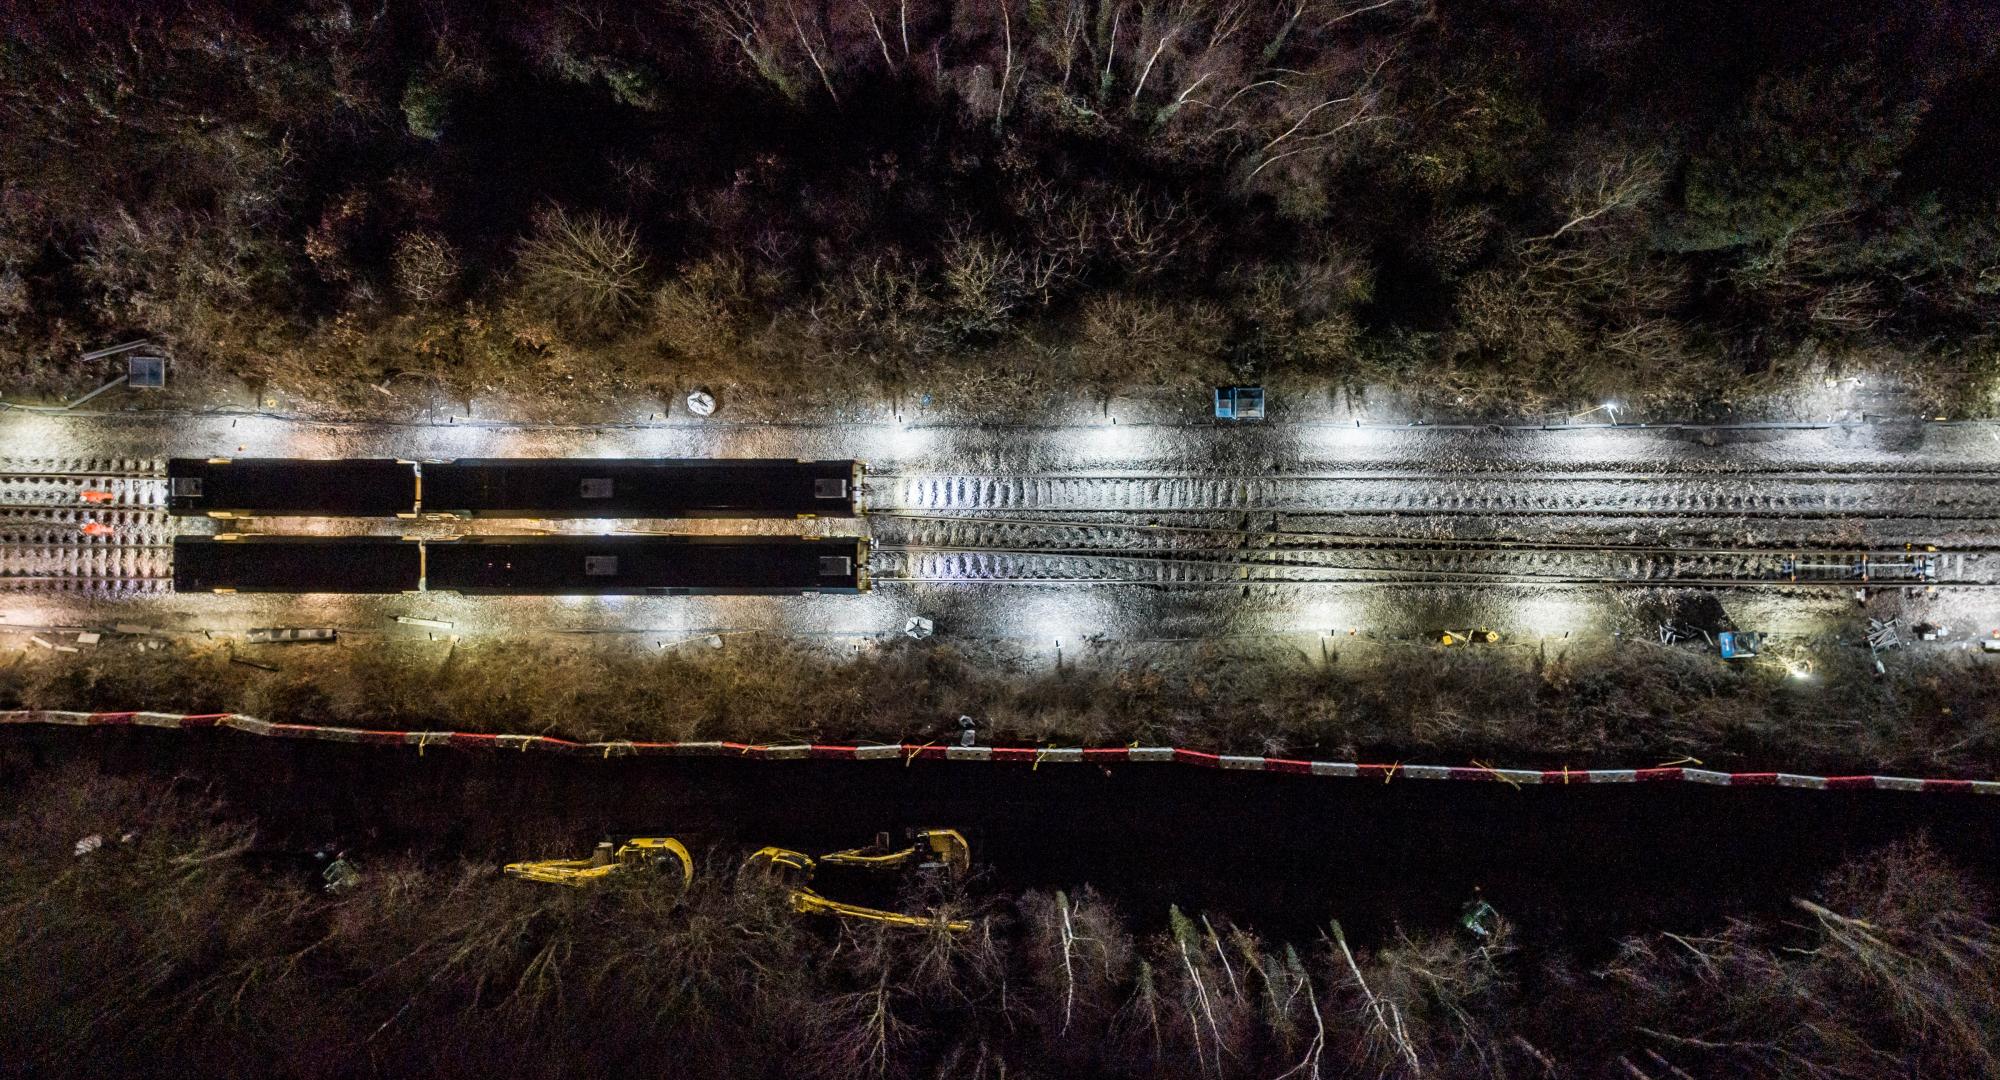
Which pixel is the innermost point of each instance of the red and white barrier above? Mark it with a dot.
(1022, 755)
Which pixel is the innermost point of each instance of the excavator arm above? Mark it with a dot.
(808, 902)
(662, 854)
(941, 849)
(792, 872)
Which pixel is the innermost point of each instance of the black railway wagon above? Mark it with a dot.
(522, 565)
(514, 487)
(645, 565)
(221, 487)
(641, 487)
(296, 564)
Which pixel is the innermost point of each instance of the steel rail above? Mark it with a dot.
(1227, 558)
(1640, 472)
(93, 474)
(1705, 583)
(1336, 541)
(83, 545)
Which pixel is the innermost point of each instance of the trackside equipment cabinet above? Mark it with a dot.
(1239, 403)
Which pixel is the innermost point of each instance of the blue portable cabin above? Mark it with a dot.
(1239, 403)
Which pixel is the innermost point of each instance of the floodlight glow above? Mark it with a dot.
(1114, 442)
(1325, 438)
(1550, 615)
(1041, 617)
(898, 443)
(1332, 616)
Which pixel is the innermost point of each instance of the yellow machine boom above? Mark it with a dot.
(942, 849)
(663, 854)
(771, 868)
(808, 902)
(792, 872)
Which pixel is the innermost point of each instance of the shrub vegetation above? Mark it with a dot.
(1510, 204)
(191, 945)
(1641, 706)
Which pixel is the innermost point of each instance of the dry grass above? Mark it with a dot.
(188, 944)
(1642, 704)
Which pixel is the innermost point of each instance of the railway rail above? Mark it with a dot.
(103, 526)
(1947, 496)
(969, 549)
(48, 503)
(117, 484)
(1420, 565)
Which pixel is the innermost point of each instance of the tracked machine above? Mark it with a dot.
(941, 852)
(663, 856)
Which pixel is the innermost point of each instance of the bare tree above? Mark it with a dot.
(1145, 231)
(984, 281)
(701, 313)
(586, 268)
(425, 267)
(1312, 131)
(1591, 192)
(814, 50)
(738, 23)
(1849, 307)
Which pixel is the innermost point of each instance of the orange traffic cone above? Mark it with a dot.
(96, 528)
(98, 496)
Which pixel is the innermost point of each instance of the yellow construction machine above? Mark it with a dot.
(933, 850)
(663, 855)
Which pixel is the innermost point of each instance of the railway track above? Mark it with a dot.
(91, 584)
(85, 526)
(83, 483)
(99, 526)
(69, 526)
(45, 551)
(932, 548)
(1418, 565)
(1791, 494)
(945, 548)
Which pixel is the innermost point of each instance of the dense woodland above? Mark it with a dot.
(1500, 201)
(188, 946)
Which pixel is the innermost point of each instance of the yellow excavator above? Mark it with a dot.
(781, 869)
(664, 855)
(932, 851)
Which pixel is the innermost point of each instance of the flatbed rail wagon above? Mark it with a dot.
(522, 565)
(514, 487)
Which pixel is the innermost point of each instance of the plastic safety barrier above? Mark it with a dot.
(1034, 756)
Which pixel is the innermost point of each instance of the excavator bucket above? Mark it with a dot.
(775, 868)
(663, 855)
